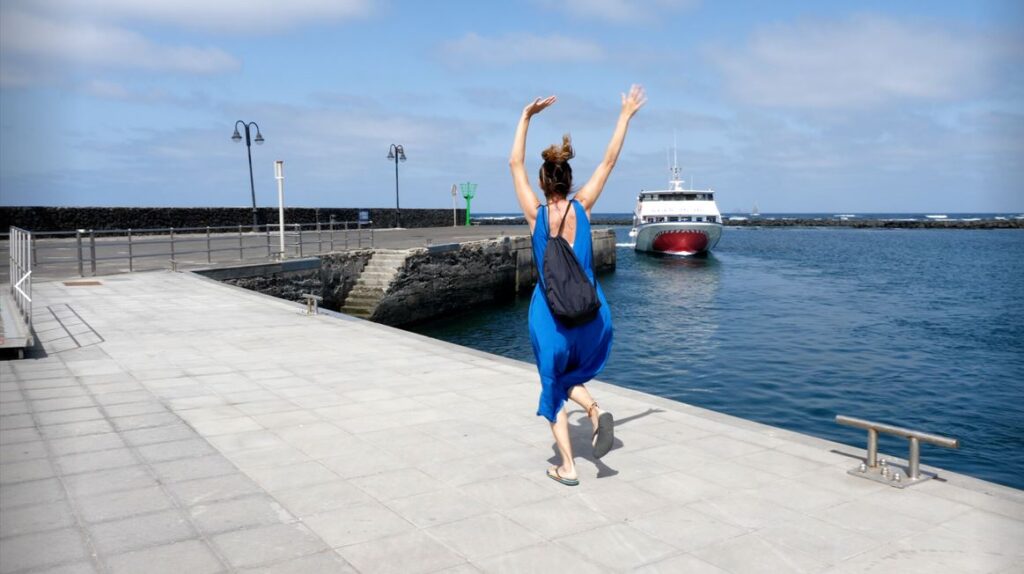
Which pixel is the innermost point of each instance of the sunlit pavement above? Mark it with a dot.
(179, 425)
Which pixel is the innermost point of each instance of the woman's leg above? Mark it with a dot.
(581, 396)
(604, 423)
(560, 428)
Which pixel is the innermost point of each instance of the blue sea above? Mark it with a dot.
(922, 328)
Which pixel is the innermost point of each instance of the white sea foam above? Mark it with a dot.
(625, 245)
(937, 216)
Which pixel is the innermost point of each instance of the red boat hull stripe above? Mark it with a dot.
(681, 242)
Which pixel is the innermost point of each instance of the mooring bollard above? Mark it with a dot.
(880, 470)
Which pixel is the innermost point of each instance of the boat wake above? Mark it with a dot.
(625, 245)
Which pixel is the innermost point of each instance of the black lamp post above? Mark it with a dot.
(397, 152)
(248, 147)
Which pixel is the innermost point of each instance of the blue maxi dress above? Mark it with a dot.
(566, 356)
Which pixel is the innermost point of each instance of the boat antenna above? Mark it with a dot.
(676, 182)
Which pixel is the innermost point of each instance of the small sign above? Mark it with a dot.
(364, 215)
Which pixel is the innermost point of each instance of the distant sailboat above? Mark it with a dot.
(754, 211)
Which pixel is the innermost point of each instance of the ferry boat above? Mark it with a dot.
(676, 221)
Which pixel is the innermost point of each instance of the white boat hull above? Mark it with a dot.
(677, 238)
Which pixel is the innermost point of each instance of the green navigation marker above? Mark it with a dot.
(468, 192)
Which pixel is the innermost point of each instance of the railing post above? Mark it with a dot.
(371, 235)
(872, 448)
(172, 246)
(319, 239)
(298, 230)
(267, 234)
(241, 250)
(209, 251)
(914, 468)
(332, 232)
(359, 233)
(78, 242)
(346, 236)
(131, 266)
(92, 251)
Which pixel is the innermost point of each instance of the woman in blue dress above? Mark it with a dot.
(567, 357)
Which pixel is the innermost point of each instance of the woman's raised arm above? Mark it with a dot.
(517, 160)
(589, 193)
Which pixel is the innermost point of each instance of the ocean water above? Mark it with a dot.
(791, 326)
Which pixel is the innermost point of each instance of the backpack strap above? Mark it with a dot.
(561, 225)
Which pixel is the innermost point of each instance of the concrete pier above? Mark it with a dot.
(176, 424)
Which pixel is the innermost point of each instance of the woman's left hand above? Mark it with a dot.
(634, 101)
(538, 105)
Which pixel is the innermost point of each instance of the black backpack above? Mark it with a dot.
(571, 296)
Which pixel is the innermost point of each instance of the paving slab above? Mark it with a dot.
(211, 429)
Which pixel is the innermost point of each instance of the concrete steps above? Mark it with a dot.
(373, 282)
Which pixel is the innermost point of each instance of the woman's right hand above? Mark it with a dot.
(537, 106)
(634, 101)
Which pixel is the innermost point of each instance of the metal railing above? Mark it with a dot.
(20, 248)
(881, 470)
(84, 250)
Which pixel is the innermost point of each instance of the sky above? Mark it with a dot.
(844, 107)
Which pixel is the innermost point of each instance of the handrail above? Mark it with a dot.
(914, 460)
(92, 246)
(20, 268)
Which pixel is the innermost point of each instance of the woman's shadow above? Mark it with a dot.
(581, 434)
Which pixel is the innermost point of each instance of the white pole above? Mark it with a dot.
(279, 176)
(455, 217)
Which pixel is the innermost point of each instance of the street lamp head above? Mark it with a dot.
(259, 137)
(236, 136)
(401, 153)
(391, 154)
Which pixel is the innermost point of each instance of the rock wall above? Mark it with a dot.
(71, 218)
(431, 283)
(330, 276)
(448, 278)
(437, 282)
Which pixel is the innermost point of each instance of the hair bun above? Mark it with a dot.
(559, 154)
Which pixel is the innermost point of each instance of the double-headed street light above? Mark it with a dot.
(397, 152)
(248, 146)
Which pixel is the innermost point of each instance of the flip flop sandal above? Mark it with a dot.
(553, 475)
(604, 435)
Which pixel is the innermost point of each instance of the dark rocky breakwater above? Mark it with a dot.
(41, 218)
(878, 223)
(980, 223)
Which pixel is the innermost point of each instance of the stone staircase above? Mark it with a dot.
(373, 282)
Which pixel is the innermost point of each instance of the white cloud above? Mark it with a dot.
(858, 62)
(523, 47)
(215, 15)
(620, 11)
(51, 41)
